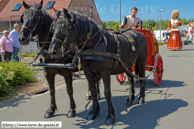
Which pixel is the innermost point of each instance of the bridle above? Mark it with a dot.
(66, 38)
(34, 28)
(76, 47)
(30, 37)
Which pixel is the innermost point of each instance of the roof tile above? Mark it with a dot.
(7, 11)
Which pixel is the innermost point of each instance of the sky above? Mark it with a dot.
(148, 9)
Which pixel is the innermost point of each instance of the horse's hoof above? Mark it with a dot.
(98, 97)
(91, 117)
(141, 100)
(88, 97)
(110, 120)
(48, 114)
(129, 103)
(93, 114)
(71, 114)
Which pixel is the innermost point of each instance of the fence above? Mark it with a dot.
(30, 48)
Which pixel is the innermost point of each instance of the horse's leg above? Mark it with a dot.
(50, 77)
(141, 68)
(131, 92)
(98, 87)
(110, 119)
(88, 95)
(97, 84)
(67, 74)
(96, 107)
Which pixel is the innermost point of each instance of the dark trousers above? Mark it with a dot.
(6, 56)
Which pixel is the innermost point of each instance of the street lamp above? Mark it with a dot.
(162, 10)
(149, 18)
(119, 12)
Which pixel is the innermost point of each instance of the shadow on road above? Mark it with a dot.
(187, 49)
(146, 116)
(15, 101)
(165, 84)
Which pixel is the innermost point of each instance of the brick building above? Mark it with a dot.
(11, 10)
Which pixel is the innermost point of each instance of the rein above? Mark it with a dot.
(82, 43)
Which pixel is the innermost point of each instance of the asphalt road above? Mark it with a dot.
(169, 106)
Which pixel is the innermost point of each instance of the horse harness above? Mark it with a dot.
(98, 55)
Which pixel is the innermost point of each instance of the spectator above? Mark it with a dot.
(6, 46)
(131, 20)
(16, 45)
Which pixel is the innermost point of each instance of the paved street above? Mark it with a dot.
(169, 106)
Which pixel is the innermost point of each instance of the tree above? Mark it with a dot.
(151, 23)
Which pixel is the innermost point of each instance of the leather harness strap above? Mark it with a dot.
(98, 53)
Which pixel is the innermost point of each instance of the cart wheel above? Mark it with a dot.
(158, 70)
(121, 78)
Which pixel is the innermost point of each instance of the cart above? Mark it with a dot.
(154, 62)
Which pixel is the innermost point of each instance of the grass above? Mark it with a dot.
(160, 43)
(26, 54)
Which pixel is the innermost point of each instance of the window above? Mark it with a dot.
(49, 4)
(91, 12)
(17, 7)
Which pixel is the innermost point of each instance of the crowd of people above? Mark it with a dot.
(10, 45)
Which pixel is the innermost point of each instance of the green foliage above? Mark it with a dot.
(151, 23)
(185, 21)
(111, 25)
(26, 54)
(160, 43)
(13, 74)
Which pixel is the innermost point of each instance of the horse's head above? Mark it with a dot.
(63, 29)
(32, 22)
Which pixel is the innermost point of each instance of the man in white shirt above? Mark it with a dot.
(16, 44)
(131, 21)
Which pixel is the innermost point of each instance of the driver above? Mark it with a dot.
(131, 20)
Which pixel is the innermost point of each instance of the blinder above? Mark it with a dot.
(70, 28)
(34, 28)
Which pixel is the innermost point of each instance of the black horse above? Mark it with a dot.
(36, 21)
(103, 53)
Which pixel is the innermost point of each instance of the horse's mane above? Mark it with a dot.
(82, 23)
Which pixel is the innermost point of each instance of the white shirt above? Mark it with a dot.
(173, 23)
(14, 38)
(130, 21)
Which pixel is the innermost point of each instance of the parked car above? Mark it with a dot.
(182, 33)
(183, 37)
(157, 35)
(166, 37)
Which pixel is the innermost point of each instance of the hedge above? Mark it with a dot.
(13, 74)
